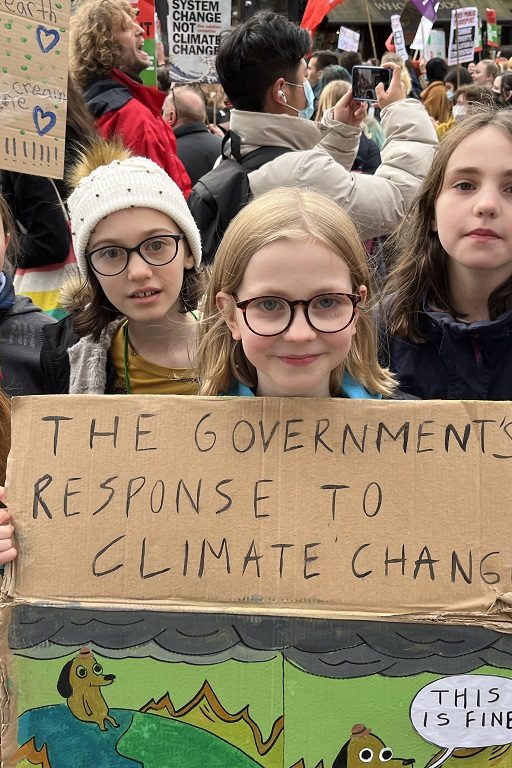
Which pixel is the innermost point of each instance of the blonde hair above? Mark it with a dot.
(332, 92)
(405, 78)
(292, 214)
(93, 51)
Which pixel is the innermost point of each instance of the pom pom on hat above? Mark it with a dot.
(132, 182)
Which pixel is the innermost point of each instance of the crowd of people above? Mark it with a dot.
(373, 259)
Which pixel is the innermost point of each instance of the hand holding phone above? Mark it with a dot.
(365, 80)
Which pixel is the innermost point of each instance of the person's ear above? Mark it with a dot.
(433, 225)
(226, 306)
(277, 91)
(188, 259)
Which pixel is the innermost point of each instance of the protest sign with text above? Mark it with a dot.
(194, 27)
(33, 86)
(348, 39)
(314, 506)
(463, 29)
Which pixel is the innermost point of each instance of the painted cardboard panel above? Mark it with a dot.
(204, 690)
(34, 40)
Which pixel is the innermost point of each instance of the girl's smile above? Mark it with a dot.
(298, 361)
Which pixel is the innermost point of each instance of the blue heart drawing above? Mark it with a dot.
(39, 114)
(46, 38)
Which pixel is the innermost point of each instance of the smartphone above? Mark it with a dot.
(365, 79)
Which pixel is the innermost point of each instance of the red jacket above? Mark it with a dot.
(125, 107)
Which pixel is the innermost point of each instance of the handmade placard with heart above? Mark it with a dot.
(34, 40)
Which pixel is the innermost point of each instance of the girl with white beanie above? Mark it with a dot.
(133, 324)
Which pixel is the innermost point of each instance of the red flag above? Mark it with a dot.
(315, 12)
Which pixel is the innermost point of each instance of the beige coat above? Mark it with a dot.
(324, 154)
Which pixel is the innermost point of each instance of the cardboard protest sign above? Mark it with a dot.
(463, 27)
(283, 583)
(318, 507)
(193, 29)
(348, 39)
(398, 37)
(33, 86)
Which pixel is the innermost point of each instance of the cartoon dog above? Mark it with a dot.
(476, 757)
(80, 683)
(365, 750)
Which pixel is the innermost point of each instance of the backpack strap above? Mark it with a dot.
(252, 160)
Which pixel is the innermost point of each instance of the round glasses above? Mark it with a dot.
(113, 259)
(272, 315)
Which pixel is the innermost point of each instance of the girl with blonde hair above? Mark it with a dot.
(285, 310)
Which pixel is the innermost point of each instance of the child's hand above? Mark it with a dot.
(7, 550)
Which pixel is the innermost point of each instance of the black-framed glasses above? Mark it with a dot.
(273, 315)
(156, 251)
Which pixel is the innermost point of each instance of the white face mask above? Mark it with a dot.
(459, 111)
(449, 95)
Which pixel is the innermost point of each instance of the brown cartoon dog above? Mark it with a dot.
(365, 750)
(80, 683)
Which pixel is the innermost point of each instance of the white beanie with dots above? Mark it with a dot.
(135, 182)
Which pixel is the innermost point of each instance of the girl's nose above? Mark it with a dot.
(137, 268)
(487, 202)
(299, 329)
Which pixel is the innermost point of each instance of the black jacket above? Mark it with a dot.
(35, 205)
(21, 326)
(457, 360)
(197, 148)
(368, 156)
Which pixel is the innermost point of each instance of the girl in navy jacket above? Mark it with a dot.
(448, 299)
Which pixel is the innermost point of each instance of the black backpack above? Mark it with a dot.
(218, 195)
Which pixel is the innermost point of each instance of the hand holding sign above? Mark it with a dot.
(464, 711)
(7, 551)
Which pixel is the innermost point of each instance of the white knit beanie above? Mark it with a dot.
(135, 182)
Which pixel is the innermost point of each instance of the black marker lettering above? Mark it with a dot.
(139, 432)
(57, 420)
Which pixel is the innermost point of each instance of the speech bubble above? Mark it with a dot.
(464, 711)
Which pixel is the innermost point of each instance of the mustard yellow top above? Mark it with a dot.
(147, 378)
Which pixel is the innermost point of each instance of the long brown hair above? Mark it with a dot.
(293, 214)
(5, 433)
(420, 262)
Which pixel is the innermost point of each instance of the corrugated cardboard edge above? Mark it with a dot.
(8, 727)
(499, 619)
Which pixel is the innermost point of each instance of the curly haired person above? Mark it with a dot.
(106, 59)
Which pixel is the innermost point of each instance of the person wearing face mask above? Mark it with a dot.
(464, 98)
(262, 69)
